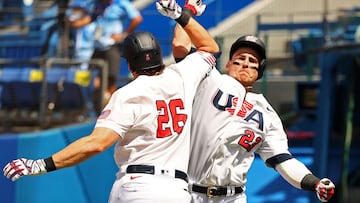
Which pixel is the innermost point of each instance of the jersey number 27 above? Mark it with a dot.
(169, 119)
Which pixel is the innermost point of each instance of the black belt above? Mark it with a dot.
(212, 191)
(151, 170)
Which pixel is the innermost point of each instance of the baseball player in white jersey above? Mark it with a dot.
(149, 119)
(223, 145)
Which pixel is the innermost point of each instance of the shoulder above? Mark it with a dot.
(197, 60)
(260, 101)
(201, 56)
(133, 88)
(256, 97)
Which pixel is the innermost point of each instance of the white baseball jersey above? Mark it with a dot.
(223, 144)
(218, 97)
(152, 115)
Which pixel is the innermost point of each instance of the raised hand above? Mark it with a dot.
(24, 167)
(325, 189)
(169, 8)
(196, 6)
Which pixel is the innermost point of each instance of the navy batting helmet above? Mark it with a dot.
(142, 51)
(254, 43)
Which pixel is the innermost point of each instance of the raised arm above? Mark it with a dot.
(181, 43)
(197, 34)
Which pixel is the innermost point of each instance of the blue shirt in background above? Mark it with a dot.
(110, 19)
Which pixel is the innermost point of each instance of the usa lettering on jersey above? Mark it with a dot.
(246, 107)
(246, 112)
(229, 106)
(248, 139)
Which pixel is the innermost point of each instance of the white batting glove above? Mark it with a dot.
(24, 167)
(169, 8)
(196, 6)
(325, 189)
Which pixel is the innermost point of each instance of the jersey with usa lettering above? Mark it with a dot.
(152, 115)
(218, 98)
(225, 154)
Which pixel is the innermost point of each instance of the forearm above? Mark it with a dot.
(201, 39)
(85, 148)
(293, 171)
(298, 175)
(181, 43)
(134, 24)
(80, 22)
(76, 152)
(80, 150)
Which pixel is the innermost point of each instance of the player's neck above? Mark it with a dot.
(248, 88)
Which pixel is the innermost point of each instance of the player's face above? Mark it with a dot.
(244, 66)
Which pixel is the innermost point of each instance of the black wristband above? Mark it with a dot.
(186, 14)
(309, 182)
(49, 164)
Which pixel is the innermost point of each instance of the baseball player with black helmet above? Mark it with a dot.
(148, 119)
(223, 147)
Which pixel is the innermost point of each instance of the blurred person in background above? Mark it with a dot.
(82, 30)
(115, 19)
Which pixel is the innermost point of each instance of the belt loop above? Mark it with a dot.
(190, 185)
(230, 191)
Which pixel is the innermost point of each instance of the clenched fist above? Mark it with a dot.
(169, 8)
(196, 6)
(24, 167)
(325, 189)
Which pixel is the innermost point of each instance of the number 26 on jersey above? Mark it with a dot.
(170, 120)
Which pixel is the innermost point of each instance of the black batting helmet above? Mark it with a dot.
(142, 51)
(254, 43)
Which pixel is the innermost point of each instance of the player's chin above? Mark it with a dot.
(243, 76)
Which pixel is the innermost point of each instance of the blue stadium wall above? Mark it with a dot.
(88, 182)
(91, 181)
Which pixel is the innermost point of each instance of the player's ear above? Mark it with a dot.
(133, 73)
(228, 64)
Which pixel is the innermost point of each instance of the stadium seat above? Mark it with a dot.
(54, 75)
(66, 102)
(21, 93)
(70, 97)
(30, 74)
(20, 102)
(21, 52)
(26, 94)
(10, 74)
(6, 96)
